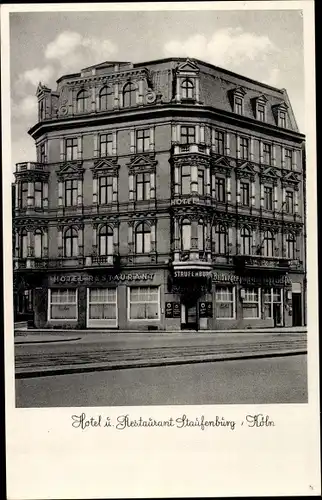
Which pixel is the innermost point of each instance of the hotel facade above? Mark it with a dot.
(166, 195)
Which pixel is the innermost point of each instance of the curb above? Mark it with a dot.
(46, 341)
(146, 364)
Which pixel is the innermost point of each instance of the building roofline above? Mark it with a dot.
(226, 71)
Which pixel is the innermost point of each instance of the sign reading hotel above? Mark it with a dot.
(186, 201)
(85, 279)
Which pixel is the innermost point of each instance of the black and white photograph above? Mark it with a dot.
(163, 197)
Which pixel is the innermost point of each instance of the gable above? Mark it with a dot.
(291, 177)
(270, 172)
(142, 161)
(222, 162)
(70, 168)
(104, 164)
(188, 67)
(246, 168)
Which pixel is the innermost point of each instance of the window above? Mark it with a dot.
(71, 190)
(282, 119)
(23, 247)
(38, 243)
(267, 154)
(185, 179)
(244, 193)
(201, 181)
(188, 135)
(143, 238)
(105, 190)
(81, 101)
(251, 303)
(185, 235)
(272, 300)
(202, 236)
(290, 246)
(144, 303)
(41, 110)
(289, 202)
(246, 241)
(268, 242)
(221, 189)
(105, 98)
(220, 237)
(106, 145)
(143, 186)
(225, 302)
(142, 140)
(38, 194)
(102, 307)
(238, 105)
(261, 112)
(42, 153)
(71, 149)
(268, 198)
(71, 242)
(23, 195)
(105, 241)
(187, 89)
(219, 142)
(244, 149)
(288, 159)
(129, 95)
(62, 304)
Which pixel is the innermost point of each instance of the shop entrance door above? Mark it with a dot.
(189, 316)
(297, 309)
(277, 314)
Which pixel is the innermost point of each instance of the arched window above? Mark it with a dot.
(202, 236)
(245, 241)
(71, 242)
(143, 238)
(81, 101)
(290, 246)
(220, 239)
(106, 98)
(38, 243)
(186, 235)
(23, 244)
(105, 241)
(268, 244)
(187, 89)
(129, 95)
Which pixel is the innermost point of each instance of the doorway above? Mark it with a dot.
(297, 309)
(189, 315)
(277, 314)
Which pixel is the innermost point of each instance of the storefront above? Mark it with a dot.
(160, 300)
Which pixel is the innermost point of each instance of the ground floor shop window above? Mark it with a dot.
(225, 302)
(102, 307)
(143, 303)
(251, 303)
(273, 304)
(62, 304)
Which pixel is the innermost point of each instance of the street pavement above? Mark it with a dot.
(51, 353)
(253, 381)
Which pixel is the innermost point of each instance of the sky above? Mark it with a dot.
(263, 45)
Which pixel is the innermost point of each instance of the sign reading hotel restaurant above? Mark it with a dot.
(250, 280)
(85, 279)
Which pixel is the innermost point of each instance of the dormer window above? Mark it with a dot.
(187, 89)
(81, 101)
(259, 107)
(237, 100)
(129, 95)
(280, 113)
(238, 105)
(261, 112)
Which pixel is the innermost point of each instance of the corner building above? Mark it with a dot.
(168, 194)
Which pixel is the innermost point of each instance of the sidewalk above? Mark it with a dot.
(120, 350)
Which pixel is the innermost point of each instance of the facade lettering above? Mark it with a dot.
(74, 278)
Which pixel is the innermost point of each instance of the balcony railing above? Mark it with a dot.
(265, 263)
(191, 148)
(29, 165)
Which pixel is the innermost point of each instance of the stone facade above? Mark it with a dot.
(168, 194)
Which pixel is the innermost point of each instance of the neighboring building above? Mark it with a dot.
(167, 194)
